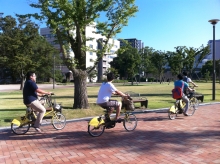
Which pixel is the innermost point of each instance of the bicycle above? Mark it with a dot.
(193, 100)
(179, 105)
(97, 125)
(22, 124)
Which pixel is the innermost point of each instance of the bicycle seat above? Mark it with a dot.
(107, 108)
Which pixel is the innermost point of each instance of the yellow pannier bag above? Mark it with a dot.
(173, 109)
(95, 122)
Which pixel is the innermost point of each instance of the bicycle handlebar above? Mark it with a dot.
(45, 95)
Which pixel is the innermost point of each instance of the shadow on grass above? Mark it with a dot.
(13, 110)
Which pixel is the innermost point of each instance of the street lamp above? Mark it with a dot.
(213, 22)
(53, 71)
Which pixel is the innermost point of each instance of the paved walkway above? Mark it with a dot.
(156, 140)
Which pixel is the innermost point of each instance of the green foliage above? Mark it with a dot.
(92, 74)
(208, 67)
(69, 18)
(207, 76)
(158, 59)
(146, 64)
(113, 70)
(127, 62)
(58, 76)
(22, 48)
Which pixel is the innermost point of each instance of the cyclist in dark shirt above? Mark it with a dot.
(30, 98)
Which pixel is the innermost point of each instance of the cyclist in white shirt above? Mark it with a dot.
(105, 92)
(188, 80)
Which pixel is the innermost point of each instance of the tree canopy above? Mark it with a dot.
(69, 18)
(22, 48)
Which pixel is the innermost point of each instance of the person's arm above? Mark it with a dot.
(39, 94)
(194, 84)
(190, 81)
(120, 93)
(42, 91)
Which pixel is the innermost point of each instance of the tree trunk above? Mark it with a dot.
(80, 94)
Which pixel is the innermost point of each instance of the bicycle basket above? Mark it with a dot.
(128, 103)
(57, 107)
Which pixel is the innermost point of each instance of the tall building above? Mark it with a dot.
(210, 55)
(90, 55)
(134, 43)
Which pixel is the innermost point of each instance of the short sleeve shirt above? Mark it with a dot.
(105, 92)
(188, 80)
(29, 92)
(179, 83)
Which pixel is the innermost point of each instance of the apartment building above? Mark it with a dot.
(90, 55)
(134, 43)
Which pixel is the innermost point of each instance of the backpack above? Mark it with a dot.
(177, 92)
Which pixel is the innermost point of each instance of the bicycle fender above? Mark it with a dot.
(95, 121)
(173, 109)
(16, 122)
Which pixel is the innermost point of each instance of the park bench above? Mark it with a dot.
(199, 96)
(137, 99)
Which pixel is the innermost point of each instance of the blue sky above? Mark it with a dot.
(160, 24)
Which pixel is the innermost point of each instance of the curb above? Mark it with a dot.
(160, 110)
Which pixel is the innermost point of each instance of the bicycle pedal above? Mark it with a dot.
(119, 120)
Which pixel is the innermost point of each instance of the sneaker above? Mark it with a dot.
(38, 130)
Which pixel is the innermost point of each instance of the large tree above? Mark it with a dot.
(22, 48)
(146, 65)
(127, 62)
(158, 59)
(69, 19)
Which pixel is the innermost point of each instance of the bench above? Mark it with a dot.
(199, 96)
(137, 99)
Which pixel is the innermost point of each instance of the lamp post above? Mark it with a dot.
(219, 71)
(53, 71)
(213, 22)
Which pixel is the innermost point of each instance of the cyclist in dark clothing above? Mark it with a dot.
(30, 98)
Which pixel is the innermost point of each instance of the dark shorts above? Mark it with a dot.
(110, 103)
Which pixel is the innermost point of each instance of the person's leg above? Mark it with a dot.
(37, 106)
(114, 104)
(118, 110)
(186, 100)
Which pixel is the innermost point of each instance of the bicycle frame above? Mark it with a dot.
(179, 104)
(25, 119)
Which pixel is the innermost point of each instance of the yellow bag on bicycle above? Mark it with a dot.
(95, 122)
(173, 109)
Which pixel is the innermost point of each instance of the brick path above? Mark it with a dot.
(156, 139)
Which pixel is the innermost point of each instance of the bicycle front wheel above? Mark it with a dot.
(58, 121)
(191, 110)
(194, 102)
(130, 122)
(21, 129)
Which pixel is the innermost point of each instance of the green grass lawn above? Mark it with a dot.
(158, 95)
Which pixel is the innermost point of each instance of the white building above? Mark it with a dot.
(210, 55)
(93, 44)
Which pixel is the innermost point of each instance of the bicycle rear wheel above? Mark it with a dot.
(20, 129)
(130, 122)
(58, 121)
(96, 131)
(172, 115)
